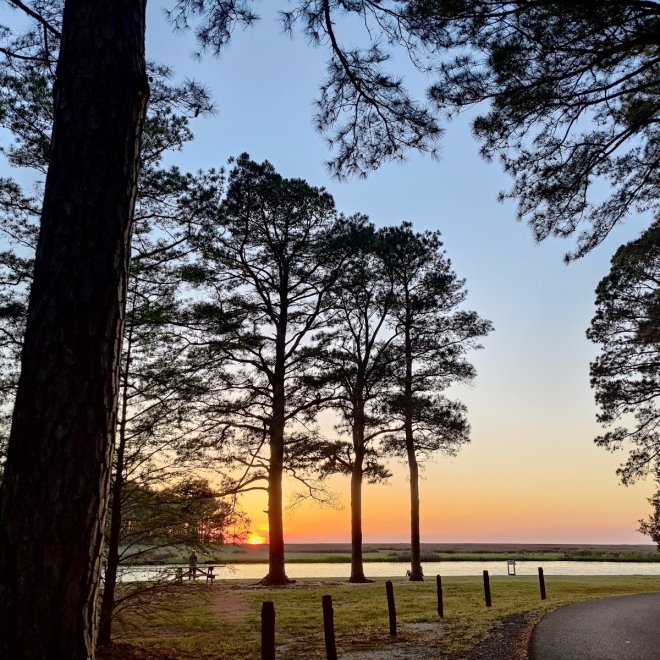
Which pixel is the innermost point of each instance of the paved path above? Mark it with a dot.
(617, 628)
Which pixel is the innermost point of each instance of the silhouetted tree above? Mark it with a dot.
(161, 424)
(574, 99)
(270, 261)
(435, 335)
(357, 364)
(626, 374)
(55, 487)
(188, 513)
(157, 385)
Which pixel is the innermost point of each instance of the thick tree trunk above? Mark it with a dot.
(55, 487)
(276, 569)
(357, 568)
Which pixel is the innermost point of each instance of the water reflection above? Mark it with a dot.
(398, 569)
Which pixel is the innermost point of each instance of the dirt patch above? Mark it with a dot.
(509, 640)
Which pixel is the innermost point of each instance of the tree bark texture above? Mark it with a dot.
(55, 488)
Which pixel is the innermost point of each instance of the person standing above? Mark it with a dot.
(192, 565)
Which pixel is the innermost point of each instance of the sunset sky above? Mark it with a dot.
(532, 472)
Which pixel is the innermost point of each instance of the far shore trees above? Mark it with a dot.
(270, 265)
(433, 336)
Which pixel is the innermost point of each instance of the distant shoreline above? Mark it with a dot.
(340, 553)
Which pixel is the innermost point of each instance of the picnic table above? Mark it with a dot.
(194, 572)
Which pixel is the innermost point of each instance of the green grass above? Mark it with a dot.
(224, 621)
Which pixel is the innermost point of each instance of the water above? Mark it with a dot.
(398, 569)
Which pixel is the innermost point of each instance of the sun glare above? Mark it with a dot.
(255, 539)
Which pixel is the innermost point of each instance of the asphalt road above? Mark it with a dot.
(617, 628)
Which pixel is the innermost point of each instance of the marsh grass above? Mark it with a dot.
(224, 621)
(303, 553)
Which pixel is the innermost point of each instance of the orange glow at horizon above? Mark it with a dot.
(255, 539)
(467, 500)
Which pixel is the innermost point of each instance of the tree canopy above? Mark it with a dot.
(572, 98)
(626, 374)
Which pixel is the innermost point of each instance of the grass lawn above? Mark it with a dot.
(223, 621)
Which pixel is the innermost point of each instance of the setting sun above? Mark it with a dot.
(255, 539)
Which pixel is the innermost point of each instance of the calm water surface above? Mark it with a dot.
(398, 569)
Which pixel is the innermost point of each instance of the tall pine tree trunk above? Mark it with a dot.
(357, 567)
(415, 546)
(112, 567)
(276, 569)
(55, 487)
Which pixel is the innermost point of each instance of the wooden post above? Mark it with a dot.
(179, 576)
(487, 589)
(329, 628)
(441, 610)
(268, 630)
(542, 583)
(390, 607)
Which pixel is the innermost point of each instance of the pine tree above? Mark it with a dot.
(270, 263)
(435, 335)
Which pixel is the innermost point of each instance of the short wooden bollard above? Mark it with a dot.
(268, 630)
(391, 610)
(441, 609)
(542, 583)
(329, 628)
(487, 589)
